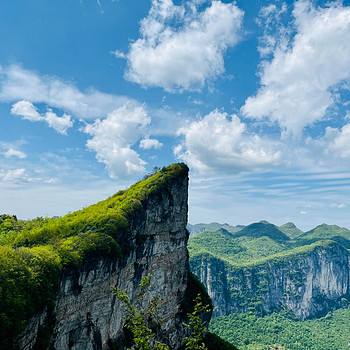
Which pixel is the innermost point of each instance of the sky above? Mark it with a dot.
(254, 96)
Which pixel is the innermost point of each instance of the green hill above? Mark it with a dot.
(263, 229)
(212, 227)
(338, 234)
(290, 230)
(236, 250)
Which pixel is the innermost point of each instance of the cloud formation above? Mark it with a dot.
(12, 152)
(182, 47)
(298, 84)
(220, 142)
(14, 175)
(29, 112)
(113, 138)
(17, 83)
(338, 141)
(150, 143)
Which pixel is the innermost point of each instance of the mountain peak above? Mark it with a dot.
(261, 229)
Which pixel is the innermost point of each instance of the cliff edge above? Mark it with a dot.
(148, 226)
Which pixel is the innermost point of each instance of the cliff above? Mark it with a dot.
(85, 315)
(308, 281)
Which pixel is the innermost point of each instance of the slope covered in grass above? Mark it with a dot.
(236, 250)
(338, 234)
(34, 253)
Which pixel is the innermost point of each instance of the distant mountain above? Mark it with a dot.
(264, 272)
(290, 230)
(212, 227)
(263, 229)
(338, 234)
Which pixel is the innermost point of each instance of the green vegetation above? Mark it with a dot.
(143, 325)
(212, 227)
(263, 229)
(250, 332)
(34, 253)
(250, 254)
(234, 250)
(290, 230)
(338, 234)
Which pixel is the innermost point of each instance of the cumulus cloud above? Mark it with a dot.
(338, 141)
(29, 112)
(14, 176)
(17, 83)
(113, 138)
(182, 47)
(11, 152)
(150, 143)
(296, 85)
(220, 142)
(60, 124)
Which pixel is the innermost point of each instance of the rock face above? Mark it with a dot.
(309, 284)
(87, 316)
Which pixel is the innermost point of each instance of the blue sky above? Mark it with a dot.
(253, 95)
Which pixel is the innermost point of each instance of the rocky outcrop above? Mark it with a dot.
(87, 316)
(309, 283)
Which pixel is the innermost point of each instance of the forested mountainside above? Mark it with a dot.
(56, 274)
(264, 270)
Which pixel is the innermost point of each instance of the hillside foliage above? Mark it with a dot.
(282, 331)
(254, 250)
(34, 253)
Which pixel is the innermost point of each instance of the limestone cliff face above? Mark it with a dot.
(87, 316)
(309, 284)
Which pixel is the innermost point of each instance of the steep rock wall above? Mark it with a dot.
(309, 284)
(87, 316)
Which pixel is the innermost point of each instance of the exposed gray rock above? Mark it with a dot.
(87, 316)
(309, 284)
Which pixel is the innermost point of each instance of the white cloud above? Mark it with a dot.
(113, 137)
(338, 205)
(17, 84)
(11, 152)
(274, 33)
(303, 212)
(338, 141)
(14, 176)
(296, 84)
(150, 143)
(182, 48)
(29, 112)
(60, 124)
(219, 142)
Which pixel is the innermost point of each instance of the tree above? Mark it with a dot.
(145, 324)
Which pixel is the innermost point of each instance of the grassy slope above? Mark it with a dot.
(235, 250)
(334, 232)
(33, 254)
(290, 230)
(212, 227)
